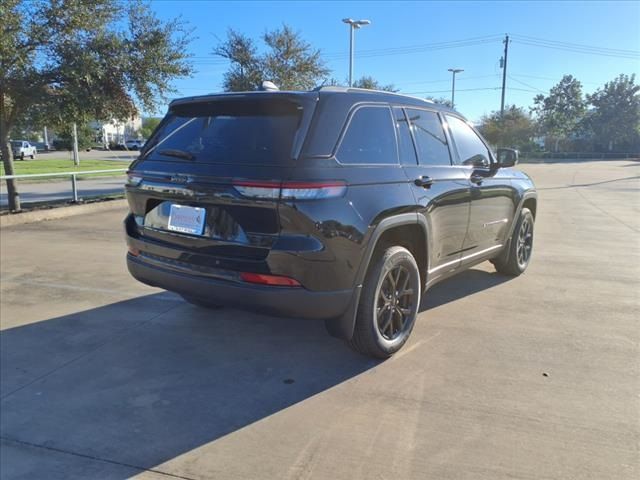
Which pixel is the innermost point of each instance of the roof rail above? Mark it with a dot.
(339, 88)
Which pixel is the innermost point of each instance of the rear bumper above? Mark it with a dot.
(280, 301)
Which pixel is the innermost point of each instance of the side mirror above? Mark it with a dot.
(507, 157)
(477, 161)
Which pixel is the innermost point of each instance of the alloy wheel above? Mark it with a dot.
(394, 305)
(525, 242)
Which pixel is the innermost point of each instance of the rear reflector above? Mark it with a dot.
(134, 251)
(273, 280)
(291, 190)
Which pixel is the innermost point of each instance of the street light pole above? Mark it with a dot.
(353, 26)
(453, 84)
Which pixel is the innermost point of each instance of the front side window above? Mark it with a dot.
(370, 138)
(430, 139)
(471, 149)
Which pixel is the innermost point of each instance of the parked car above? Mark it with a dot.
(41, 146)
(338, 204)
(22, 149)
(134, 144)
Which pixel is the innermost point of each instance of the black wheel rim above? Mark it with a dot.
(395, 303)
(525, 242)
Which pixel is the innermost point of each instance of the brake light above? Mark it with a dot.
(291, 190)
(133, 180)
(274, 280)
(269, 190)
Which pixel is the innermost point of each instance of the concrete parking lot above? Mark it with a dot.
(536, 377)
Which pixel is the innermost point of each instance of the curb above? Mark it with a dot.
(61, 212)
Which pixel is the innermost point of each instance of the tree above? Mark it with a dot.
(72, 61)
(614, 121)
(514, 129)
(246, 70)
(372, 84)
(149, 124)
(289, 61)
(559, 113)
(86, 137)
(440, 100)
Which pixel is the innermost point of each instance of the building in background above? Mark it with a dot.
(116, 132)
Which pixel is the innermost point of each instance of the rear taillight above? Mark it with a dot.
(291, 190)
(133, 180)
(269, 190)
(273, 280)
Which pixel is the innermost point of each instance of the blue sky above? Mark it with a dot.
(422, 70)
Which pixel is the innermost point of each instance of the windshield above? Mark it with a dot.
(247, 133)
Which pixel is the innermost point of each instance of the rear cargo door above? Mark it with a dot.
(209, 179)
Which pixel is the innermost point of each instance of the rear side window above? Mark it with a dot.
(240, 133)
(471, 149)
(370, 138)
(430, 139)
(405, 144)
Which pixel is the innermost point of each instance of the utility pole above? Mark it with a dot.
(504, 73)
(46, 139)
(353, 26)
(76, 159)
(453, 85)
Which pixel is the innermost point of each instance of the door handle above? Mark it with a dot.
(424, 181)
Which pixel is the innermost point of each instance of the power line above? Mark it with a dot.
(457, 90)
(525, 84)
(214, 60)
(629, 54)
(548, 78)
(523, 90)
(473, 77)
(578, 45)
(413, 49)
(408, 49)
(629, 57)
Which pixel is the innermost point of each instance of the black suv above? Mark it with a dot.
(338, 204)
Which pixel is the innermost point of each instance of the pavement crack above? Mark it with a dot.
(93, 457)
(606, 213)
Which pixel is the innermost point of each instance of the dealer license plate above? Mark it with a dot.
(186, 219)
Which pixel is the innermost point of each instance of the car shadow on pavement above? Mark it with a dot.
(136, 383)
(461, 285)
(139, 382)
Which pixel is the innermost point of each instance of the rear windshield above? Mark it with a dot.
(16, 143)
(226, 132)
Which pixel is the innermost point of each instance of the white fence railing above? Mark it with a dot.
(73, 176)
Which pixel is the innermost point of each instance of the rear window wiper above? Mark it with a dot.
(171, 152)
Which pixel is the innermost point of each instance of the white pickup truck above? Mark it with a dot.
(22, 149)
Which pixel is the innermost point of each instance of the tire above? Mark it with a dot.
(33, 157)
(515, 258)
(385, 319)
(199, 302)
(22, 156)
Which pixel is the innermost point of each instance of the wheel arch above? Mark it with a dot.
(528, 200)
(408, 230)
(531, 203)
